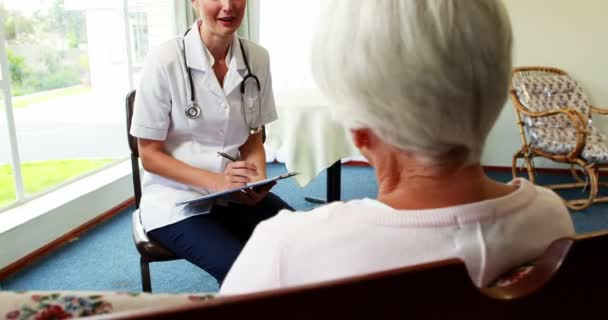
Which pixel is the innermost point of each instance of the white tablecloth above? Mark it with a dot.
(305, 137)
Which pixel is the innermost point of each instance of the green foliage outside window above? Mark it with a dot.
(56, 70)
(16, 67)
(39, 176)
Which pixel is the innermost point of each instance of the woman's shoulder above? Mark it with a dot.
(544, 195)
(542, 202)
(335, 212)
(166, 52)
(304, 219)
(254, 49)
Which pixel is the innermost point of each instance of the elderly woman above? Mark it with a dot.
(419, 84)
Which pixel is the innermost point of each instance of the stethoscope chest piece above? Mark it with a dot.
(193, 111)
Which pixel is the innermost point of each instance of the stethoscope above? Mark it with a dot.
(250, 93)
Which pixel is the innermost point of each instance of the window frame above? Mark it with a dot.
(40, 219)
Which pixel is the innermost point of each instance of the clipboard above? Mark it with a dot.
(249, 185)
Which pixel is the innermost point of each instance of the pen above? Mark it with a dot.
(227, 156)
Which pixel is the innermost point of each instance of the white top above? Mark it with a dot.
(160, 105)
(363, 236)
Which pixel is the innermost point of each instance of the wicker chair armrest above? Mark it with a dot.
(539, 68)
(599, 110)
(576, 118)
(580, 122)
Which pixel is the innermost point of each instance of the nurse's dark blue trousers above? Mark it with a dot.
(212, 241)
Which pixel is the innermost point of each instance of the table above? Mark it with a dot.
(334, 175)
(308, 141)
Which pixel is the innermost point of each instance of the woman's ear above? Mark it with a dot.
(361, 138)
(365, 140)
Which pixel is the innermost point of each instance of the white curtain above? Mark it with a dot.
(286, 30)
(250, 27)
(304, 137)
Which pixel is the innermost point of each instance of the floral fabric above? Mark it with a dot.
(546, 93)
(563, 141)
(557, 134)
(513, 276)
(68, 305)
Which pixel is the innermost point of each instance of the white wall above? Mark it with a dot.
(570, 35)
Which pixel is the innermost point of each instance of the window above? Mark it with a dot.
(51, 88)
(139, 37)
(289, 47)
(7, 176)
(69, 67)
(152, 22)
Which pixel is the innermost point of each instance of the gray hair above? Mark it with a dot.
(429, 76)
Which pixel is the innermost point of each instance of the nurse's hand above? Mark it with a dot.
(251, 196)
(236, 174)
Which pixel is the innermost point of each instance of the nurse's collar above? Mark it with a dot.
(212, 59)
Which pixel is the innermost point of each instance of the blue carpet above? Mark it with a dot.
(105, 258)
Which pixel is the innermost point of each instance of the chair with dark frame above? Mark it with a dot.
(149, 250)
(567, 281)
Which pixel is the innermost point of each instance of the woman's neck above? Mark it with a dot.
(216, 44)
(408, 184)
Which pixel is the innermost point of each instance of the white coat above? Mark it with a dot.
(159, 114)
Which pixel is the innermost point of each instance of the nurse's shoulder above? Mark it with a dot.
(257, 54)
(168, 55)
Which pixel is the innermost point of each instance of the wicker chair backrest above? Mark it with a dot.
(544, 91)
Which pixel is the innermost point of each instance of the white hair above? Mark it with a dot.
(428, 76)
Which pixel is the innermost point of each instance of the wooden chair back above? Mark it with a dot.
(130, 100)
(569, 280)
(149, 250)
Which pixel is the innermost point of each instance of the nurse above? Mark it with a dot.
(200, 94)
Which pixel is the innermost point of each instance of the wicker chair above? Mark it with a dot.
(554, 119)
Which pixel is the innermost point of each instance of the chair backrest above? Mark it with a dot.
(561, 284)
(129, 101)
(540, 89)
